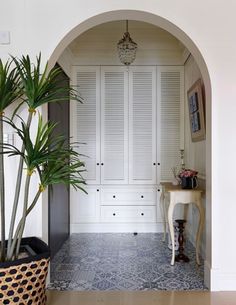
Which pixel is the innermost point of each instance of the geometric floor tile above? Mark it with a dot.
(122, 261)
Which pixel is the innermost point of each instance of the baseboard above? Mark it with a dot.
(222, 281)
(116, 228)
(216, 280)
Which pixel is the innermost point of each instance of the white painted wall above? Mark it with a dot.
(194, 152)
(210, 24)
(66, 60)
(34, 220)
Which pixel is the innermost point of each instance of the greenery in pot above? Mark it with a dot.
(44, 155)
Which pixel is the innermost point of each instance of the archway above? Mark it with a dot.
(181, 35)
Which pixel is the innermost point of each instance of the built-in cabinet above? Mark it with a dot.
(114, 125)
(129, 130)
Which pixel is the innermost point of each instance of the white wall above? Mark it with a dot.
(194, 151)
(66, 60)
(210, 24)
(34, 220)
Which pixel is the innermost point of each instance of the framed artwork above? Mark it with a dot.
(196, 112)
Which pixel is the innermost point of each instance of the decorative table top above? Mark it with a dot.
(168, 187)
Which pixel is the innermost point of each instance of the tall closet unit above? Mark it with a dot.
(129, 131)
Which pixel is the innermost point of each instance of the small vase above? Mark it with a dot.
(189, 182)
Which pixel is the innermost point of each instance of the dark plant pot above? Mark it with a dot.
(188, 182)
(23, 281)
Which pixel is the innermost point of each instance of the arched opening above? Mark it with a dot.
(186, 41)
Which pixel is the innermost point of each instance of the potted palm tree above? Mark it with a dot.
(24, 261)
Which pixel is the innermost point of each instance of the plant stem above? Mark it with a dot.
(17, 192)
(2, 193)
(26, 196)
(30, 208)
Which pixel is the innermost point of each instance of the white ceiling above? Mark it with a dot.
(144, 34)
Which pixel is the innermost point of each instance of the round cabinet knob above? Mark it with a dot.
(97, 190)
(142, 214)
(97, 163)
(102, 164)
(154, 163)
(114, 214)
(114, 196)
(158, 163)
(158, 190)
(141, 196)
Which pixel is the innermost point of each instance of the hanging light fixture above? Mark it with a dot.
(126, 48)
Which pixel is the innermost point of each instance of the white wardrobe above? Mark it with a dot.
(130, 131)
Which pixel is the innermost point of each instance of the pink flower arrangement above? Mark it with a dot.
(188, 173)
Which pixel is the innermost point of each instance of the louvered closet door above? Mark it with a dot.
(171, 103)
(142, 125)
(86, 120)
(114, 125)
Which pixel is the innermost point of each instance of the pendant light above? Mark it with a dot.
(126, 48)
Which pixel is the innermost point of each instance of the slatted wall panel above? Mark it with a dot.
(87, 120)
(142, 125)
(114, 125)
(170, 96)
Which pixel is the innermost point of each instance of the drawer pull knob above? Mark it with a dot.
(102, 164)
(141, 196)
(114, 214)
(97, 190)
(158, 163)
(154, 163)
(114, 196)
(97, 163)
(142, 214)
(158, 190)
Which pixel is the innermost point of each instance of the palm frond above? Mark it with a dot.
(42, 87)
(55, 160)
(10, 89)
(63, 170)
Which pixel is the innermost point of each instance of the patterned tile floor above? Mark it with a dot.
(107, 261)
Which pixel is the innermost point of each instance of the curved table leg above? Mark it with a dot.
(165, 217)
(163, 214)
(171, 229)
(200, 228)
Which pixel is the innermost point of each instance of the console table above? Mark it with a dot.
(183, 196)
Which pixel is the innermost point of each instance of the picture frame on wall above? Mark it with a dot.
(196, 112)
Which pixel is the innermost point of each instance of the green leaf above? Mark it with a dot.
(55, 160)
(10, 89)
(41, 86)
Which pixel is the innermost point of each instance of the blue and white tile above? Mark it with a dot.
(122, 262)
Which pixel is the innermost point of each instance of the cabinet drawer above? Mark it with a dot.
(128, 197)
(128, 213)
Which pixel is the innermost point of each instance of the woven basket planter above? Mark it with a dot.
(23, 281)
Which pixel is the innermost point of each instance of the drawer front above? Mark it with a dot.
(128, 213)
(128, 197)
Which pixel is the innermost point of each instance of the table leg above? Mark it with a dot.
(163, 214)
(200, 228)
(171, 229)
